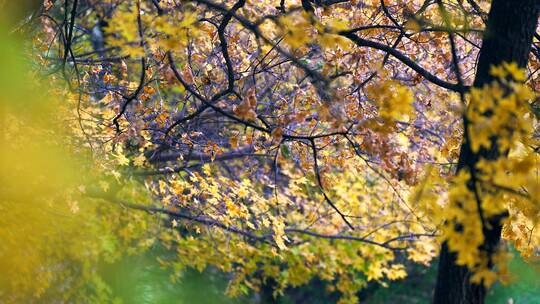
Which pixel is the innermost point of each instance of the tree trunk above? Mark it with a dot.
(508, 38)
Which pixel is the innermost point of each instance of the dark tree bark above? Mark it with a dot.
(508, 38)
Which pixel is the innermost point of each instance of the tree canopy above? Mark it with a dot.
(277, 141)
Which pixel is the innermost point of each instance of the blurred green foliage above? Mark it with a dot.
(140, 279)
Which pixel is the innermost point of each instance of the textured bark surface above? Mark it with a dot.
(508, 38)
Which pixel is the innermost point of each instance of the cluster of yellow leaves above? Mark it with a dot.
(494, 113)
(174, 31)
(328, 34)
(463, 212)
(297, 29)
(288, 258)
(394, 103)
(53, 233)
(123, 26)
(300, 29)
(169, 31)
(499, 120)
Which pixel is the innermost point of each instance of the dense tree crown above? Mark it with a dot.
(278, 141)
